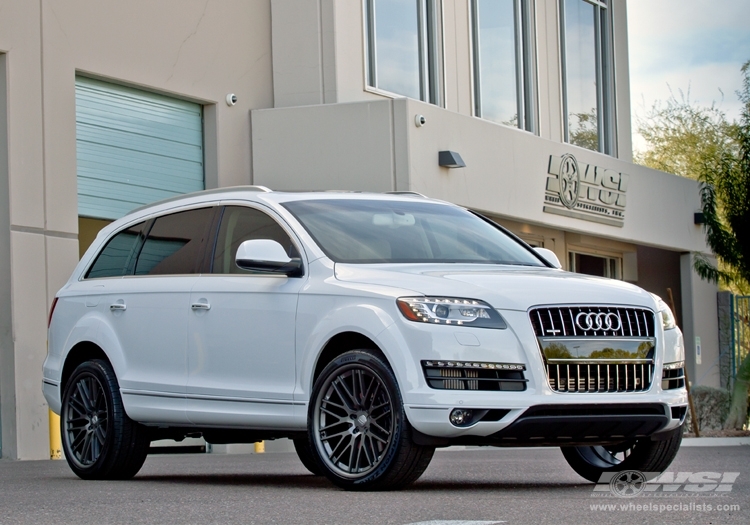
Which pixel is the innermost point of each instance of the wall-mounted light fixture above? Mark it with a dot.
(698, 218)
(450, 159)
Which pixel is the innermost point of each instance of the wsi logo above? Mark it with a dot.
(631, 483)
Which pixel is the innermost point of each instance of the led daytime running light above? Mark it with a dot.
(473, 364)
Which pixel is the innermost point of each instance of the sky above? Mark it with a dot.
(690, 45)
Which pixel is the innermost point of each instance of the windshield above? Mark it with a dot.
(377, 231)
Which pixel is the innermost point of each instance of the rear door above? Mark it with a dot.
(149, 312)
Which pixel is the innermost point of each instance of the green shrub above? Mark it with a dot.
(711, 407)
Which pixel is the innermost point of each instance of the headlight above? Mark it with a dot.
(667, 317)
(450, 311)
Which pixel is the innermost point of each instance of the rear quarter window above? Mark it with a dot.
(117, 258)
(175, 243)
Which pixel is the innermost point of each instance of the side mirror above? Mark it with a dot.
(549, 256)
(265, 255)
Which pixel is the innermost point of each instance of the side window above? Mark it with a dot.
(174, 244)
(118, 256)
(239, 224)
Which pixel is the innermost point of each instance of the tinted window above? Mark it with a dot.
(239, 224)
(118, 256)
(361, 231)
(175, 243)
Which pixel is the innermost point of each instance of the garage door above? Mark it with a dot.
(134, 147)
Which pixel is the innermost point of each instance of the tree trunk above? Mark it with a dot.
(738, 411)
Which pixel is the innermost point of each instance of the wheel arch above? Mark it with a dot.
(341, 343)
(80, 353)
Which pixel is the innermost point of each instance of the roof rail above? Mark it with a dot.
(227, 189)
(407, 193)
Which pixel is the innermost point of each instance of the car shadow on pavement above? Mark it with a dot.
(307, 481)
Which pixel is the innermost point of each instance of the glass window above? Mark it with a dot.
(240, 224)
(503, 62)
(586, 71)
(598, 265)
(362, 231)
(118, 256)
(175, 243)
(402, 47)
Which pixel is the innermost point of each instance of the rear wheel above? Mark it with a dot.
(360, 435)
(642, 455)
(100, 441)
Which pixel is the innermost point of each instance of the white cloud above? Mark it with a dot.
(698, 45)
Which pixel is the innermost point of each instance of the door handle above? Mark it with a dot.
(117, 307)
(200, 306)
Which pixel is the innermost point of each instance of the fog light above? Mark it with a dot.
(460, 417)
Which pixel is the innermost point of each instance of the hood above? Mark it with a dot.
(503, 287)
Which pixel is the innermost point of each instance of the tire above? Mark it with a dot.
(358, 430)
(306, 456)
(643, 455)
(99, 440)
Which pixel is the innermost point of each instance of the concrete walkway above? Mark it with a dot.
(715, 441)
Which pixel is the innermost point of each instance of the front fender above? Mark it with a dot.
(344, 314)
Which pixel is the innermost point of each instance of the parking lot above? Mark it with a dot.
(530, 486)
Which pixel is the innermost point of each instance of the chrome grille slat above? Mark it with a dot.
(600, 378)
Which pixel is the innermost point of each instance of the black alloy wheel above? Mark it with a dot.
(86, 420)
(361, 437)
(99, 440)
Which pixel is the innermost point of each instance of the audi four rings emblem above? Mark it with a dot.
(598, 321)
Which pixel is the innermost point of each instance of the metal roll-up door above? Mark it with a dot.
(134, 147)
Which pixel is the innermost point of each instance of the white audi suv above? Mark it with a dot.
(368, 328)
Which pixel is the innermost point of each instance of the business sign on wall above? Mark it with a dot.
(584, 191)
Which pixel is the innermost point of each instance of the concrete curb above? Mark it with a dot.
(715, 441)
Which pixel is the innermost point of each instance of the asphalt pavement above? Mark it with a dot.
(461, 487)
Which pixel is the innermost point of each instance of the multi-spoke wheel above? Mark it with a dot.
(99, 440)
(646, 455)
(357, 424)
(85, 417)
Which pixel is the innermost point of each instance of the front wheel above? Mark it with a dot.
(100, 441)
(642, 455)
(358, 428)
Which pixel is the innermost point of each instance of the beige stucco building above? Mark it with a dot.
(330, 94)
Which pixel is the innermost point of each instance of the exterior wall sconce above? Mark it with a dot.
(451, 159)
(698, 218)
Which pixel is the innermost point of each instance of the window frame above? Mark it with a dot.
(610, 257)
(430, 17)
(605, 81)
(526, 64)
(149, 222)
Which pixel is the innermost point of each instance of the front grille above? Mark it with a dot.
(456, 375)
(600, 377)
(570, 321)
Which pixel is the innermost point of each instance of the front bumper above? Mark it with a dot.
(537, 415)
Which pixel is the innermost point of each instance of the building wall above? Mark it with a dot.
(700, 320)
(191, 49)
(7, 367)
(323, 61)
(505, 173)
